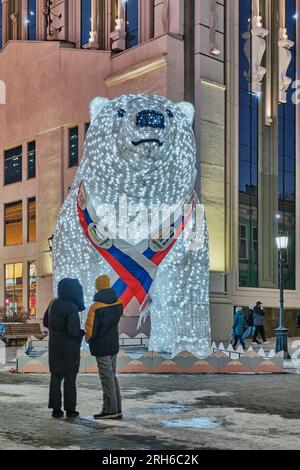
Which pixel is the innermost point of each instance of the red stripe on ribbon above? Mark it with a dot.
(135, 287)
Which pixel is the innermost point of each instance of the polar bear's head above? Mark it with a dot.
(140, 140)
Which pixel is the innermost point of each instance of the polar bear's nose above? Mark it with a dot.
(150, 118)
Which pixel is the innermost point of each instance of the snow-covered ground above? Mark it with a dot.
(160, 412)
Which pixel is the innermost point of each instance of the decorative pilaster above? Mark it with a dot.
(118, 36)
(285, 55)
(213, 19)
(255, 47)
(40, 21)
(4, 21)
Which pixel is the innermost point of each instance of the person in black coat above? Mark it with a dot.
(65, 337)
(298, 320)
(103, 337)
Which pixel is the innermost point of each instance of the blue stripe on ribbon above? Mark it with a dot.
(150, 253)
(132, 267)
(119, 287)
(87, 217)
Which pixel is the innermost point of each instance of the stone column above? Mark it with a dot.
(268, 165)
(40, 21)
(4, 21)
(146, 13)
(24, 15)
(285, 55)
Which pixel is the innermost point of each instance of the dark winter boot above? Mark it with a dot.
(72, 414)
(57, 414)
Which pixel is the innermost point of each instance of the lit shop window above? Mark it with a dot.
(132, 23)
(13, 286)
(86, 13)
(73, 146)
(31, 160)
(13, 165)
(13, 223)
(31, 20)
(31, 220)
(32, 288)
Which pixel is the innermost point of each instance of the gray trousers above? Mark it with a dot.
(107, 367)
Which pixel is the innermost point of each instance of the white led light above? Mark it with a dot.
(156, 172)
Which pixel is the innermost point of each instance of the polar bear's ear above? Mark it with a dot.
(96, 105)
(188, 109)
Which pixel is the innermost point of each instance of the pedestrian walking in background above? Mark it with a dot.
(259, 323)
(250, 323)
(65, 337)
(2, 333)
(238, 327)
(102, 334)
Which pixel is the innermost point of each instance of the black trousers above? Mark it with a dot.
(70, 394)
(259, 330)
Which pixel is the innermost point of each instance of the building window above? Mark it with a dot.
(13, 165)
(248, 159)
(13, 286)
(31, 160)
(1, 25)
(31, 20)
(243, 242)
(132, 23)
(287, 156)
(73, 146)
(31, 217)
(32, 288)
(86, 13)
(13, 224)
(86, 127)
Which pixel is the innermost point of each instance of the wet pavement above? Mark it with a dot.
(160, 412)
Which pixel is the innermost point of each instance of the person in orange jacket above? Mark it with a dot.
(102, 335)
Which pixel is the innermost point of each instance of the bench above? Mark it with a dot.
(19, 332)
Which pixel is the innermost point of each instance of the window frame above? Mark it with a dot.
(10, 204)
(28, 151)
(69, 146)
(29, 200)
(5, 159)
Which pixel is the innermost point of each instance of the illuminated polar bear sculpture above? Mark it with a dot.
(141, 147)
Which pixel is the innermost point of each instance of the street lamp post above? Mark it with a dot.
(282, 332)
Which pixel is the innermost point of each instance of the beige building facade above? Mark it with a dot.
(56, 58)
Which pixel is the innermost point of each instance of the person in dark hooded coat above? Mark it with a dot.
(65, 337)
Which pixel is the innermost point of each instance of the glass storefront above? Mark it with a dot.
(13, 286)
(32, 288)
(13, 223)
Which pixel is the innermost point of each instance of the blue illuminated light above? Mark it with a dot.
(150, 118)
(121, 113)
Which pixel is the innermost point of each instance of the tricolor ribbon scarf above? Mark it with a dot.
(133, 268)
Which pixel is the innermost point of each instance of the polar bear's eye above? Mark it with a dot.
(170, 113)
(121, 112)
